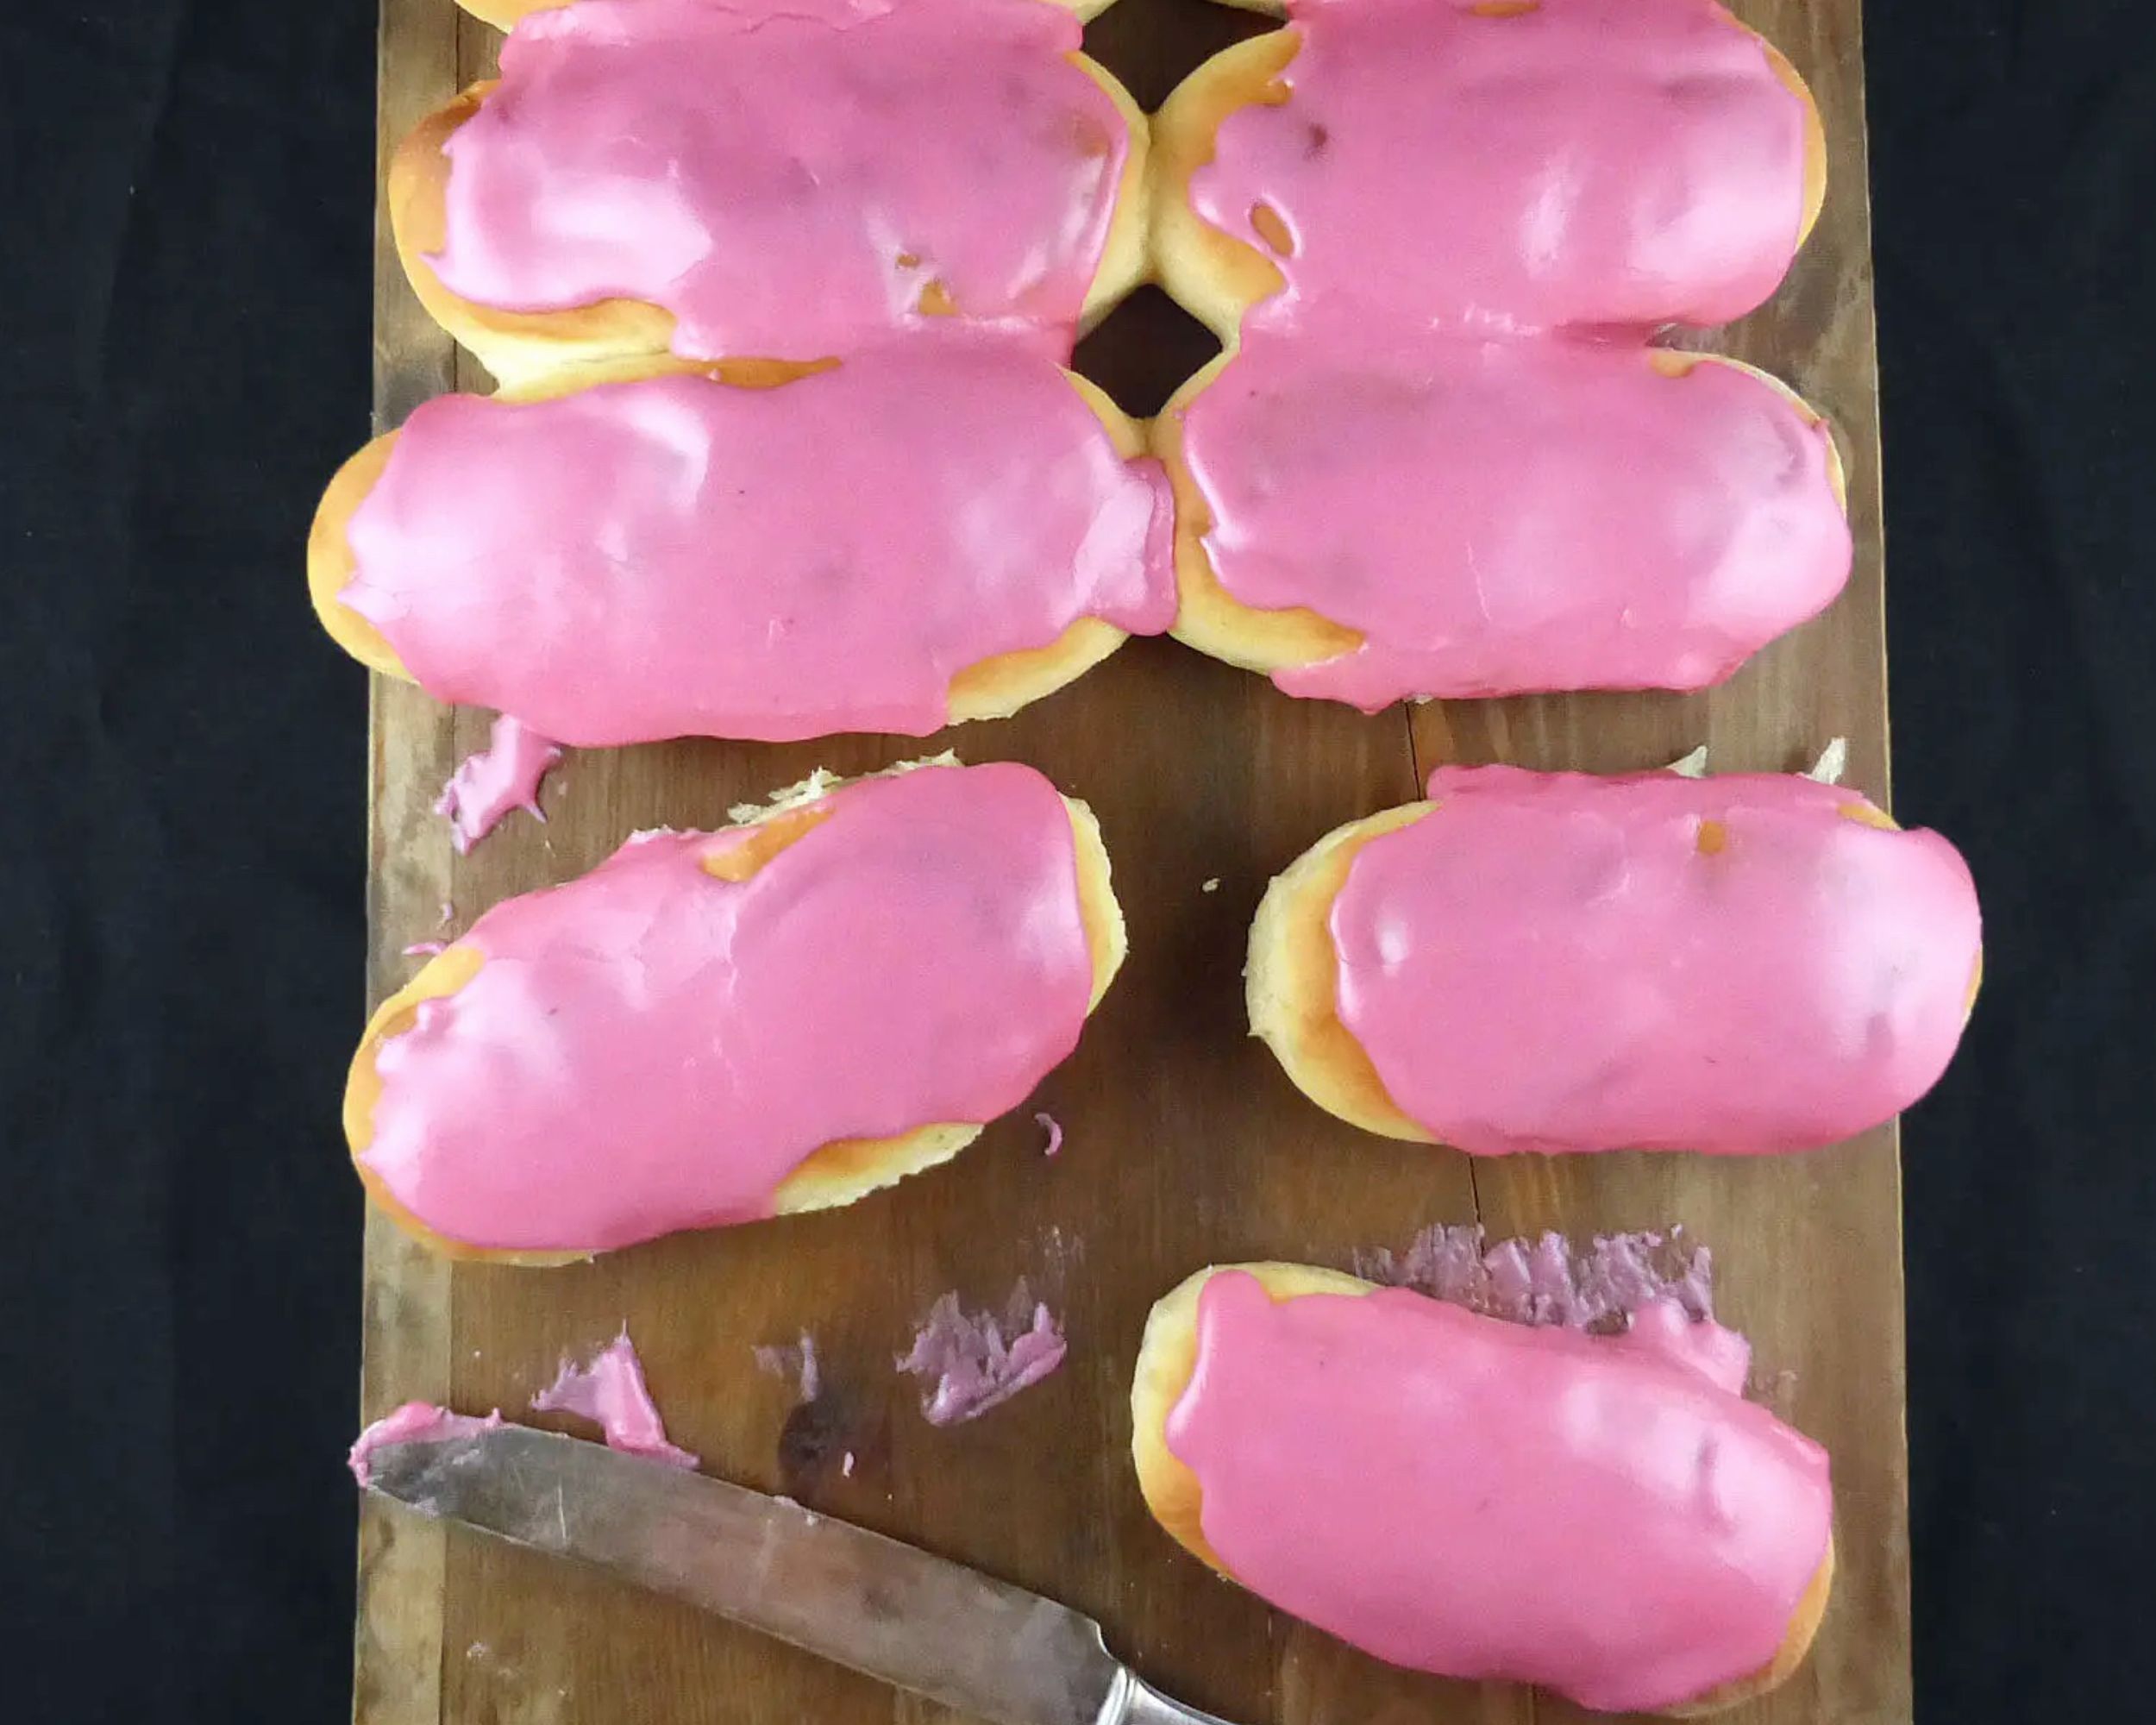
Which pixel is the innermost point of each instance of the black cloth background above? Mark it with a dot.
(184, 359)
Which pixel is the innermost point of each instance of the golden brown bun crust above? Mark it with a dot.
(1213, 621)
(329, 560)
(1210, 274)
(518, 346)
(513, 346)
(1291, 987)
(996, 688)
(1169, 1355)
(835, 1174)
(1216, 278)
(1291, 977)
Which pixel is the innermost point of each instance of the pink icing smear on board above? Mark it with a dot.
(675, 556)
(789, 182)
(1558, 962)
(610, 1390)
(1597, 1515)
(1581, 164)
(492, 780)
(414, 1422)
(1548, 1280)
(971, 1362)
(1525, 515)
(652, 1048)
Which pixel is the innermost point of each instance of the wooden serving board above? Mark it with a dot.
(1186, 1144)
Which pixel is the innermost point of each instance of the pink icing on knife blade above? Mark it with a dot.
(610, 1390)
(492, 780)
(680, 557)
(1598, 1515)
(1741, 963)
(1575, 164)
(789, 182)
(1497, 517)
(652, 1048)
(414, 1422)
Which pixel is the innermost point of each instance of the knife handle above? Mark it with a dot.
(1138, 1703)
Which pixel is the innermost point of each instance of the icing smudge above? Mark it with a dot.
(414, 1422)
(798, 1363)
(492, 780)
(971, 1362)
(610, 1390)
(1655, 1287)
(1049, 1124)
(426, 949)
(1549, 1280)
(1059, 1251)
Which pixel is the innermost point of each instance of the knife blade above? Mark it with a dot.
(891, 1610)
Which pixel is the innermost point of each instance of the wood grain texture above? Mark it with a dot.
(1186, 1144)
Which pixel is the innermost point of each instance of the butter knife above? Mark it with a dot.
(894, 1612)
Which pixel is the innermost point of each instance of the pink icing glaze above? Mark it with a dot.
(789, 182)
(675, 556)
(971, 1361)
(1594, 1513)
(1498, 517)
(414, 1422)
(610, 1390)
(1053, 1128)
(650, 1048)
(492, 780)
(1558, 962)
(1587, 164)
